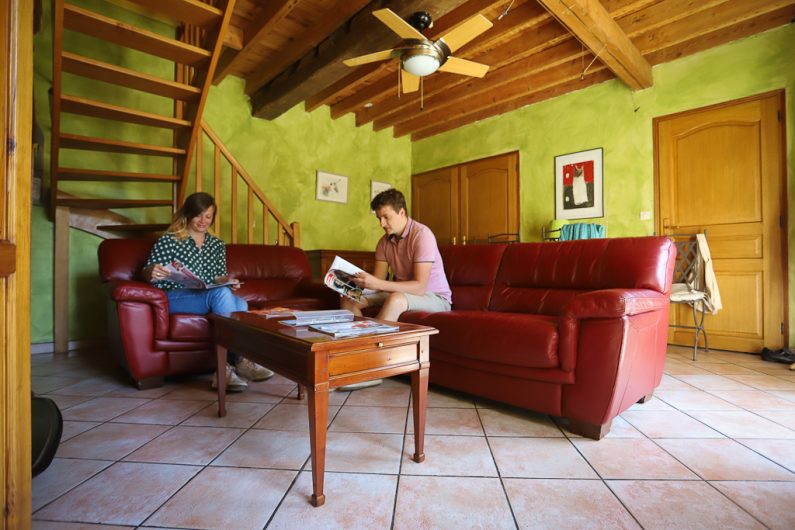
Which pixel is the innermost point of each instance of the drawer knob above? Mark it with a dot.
(380, 344)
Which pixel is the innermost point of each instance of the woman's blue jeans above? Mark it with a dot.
(220, 300)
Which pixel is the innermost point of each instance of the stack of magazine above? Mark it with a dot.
(327, 316)
(354, 329)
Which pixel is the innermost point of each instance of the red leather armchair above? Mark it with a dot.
(151, 343)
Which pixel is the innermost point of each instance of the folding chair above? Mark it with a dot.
(688, 287)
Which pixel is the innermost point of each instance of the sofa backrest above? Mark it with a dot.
(470, 271)
(542, 278)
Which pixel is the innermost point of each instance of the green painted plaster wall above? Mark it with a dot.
(605, 116)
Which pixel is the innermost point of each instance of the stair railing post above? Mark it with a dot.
(60, 286)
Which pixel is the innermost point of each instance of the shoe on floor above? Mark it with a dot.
(778, 356)
(252, 371)
(359, 386)
(234, 383)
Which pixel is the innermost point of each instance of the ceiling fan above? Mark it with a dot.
(420, 56)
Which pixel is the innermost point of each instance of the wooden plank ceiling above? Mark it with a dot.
(289, 51)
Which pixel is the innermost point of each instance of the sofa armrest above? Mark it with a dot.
(330, 298)
(614, 303)
(139, 292)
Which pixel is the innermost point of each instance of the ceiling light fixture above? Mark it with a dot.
(422, 58)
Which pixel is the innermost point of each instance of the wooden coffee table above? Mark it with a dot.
(319, 363)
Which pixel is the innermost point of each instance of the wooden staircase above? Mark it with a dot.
(145, 130)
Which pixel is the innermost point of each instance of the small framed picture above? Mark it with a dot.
(331, 187)
(579, 185)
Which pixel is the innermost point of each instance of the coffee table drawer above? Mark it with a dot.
(376, 358)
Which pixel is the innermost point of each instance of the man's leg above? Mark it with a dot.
(352, 305)
(356, 308)
(394, 306)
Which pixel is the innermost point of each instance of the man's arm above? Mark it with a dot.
(377, 280)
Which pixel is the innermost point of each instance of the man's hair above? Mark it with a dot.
(390, 197)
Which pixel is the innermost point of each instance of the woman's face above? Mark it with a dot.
(202, 222)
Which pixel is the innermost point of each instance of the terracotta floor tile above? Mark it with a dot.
(449, 421)
(764, 500)
(754, 399)
(713, 382)
(442, 397)
(517, 422)
(62, 475)
(609, 459)
(346, 494)
(95, 386)
(363, 453)
(451, 502)
(381, 396)
(655, 403)
(668, 424)
(779, 451)
(782, 417)
(764, 382)
(149, 393)
(370, 419)
(450, 455)
(290, 417)
(45, 384)
(271, 449)
(263, 393)
(56, 525)
(64, 402)
(679, 368)
(73, 428)
(195, 391)
(581, 504)
(242, 415)
(669, 382)
(186, 445)
(743, 424)
(695, 400)
(110, 441)
(680, 504)
(727, 369)
(125, 494)
(724, 460)
(789, 395)
(539, 458)
(163, 412)
(621, 428)
(102, 408)
(246, 500)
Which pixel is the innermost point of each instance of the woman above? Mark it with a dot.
(188, 242)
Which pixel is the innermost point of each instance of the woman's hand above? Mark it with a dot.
(155, 273)
(235, 283)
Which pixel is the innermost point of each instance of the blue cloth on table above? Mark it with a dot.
(581, 231)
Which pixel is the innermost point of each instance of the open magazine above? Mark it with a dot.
(179, 273)
(340, 278)
(322, 316)
(353, 329)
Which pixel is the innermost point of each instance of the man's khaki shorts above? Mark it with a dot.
(431, 302)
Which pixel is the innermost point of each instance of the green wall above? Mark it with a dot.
(605, 116)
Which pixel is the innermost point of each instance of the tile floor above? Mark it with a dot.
(714, 449)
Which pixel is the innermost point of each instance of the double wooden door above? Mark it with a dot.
(721, 169)
(469, 202)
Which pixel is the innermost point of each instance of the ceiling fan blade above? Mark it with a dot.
(369, 58)
(464, 67)
(410, 82)
(460, 35)
(398, 25)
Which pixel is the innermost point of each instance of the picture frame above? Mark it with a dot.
(377, 187)
(579, 185)
(331, 187)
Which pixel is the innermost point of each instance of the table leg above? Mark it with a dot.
(301, 392)
(220, 366)
(318, 418)
(419, 398)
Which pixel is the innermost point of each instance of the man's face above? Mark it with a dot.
(391, 221)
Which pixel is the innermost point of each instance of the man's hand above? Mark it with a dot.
(155, 273)
(366, 281)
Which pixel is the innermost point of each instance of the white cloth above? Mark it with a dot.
(706, 273)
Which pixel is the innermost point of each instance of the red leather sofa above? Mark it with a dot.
(151, 344)
(574, 329)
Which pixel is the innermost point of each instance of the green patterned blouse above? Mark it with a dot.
(207, 262)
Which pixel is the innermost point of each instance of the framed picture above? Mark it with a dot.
(579, 185)
(331, 187)
(377, 187)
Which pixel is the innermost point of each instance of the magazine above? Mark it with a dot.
(305, 318)
(179, 273)
(354, 329)
(274, 312)
(340, 278)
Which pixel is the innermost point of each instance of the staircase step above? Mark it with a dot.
(74, 141)
(104, 204)
(191, 11)
(68, 173)
(99, 109)
(134, 228)
(112, 30)
(117, 75)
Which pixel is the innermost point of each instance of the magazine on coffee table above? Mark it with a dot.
(274, 312)
(179, 273)
(306, 318)
(340, 278)
(354, 329)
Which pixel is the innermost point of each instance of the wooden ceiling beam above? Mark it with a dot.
(363, 34)
(590, 22)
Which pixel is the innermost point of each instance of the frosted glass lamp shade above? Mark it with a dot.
(421, 65)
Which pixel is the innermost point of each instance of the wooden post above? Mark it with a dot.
(296, 233)
(60, 281)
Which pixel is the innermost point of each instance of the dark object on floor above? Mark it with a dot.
(783, 355)
(47, 426)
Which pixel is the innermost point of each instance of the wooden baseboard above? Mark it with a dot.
(73, 345)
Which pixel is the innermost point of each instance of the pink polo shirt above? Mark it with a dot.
(416, 244)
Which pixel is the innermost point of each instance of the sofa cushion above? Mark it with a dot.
(516, 339)
(189, 327)
(470, 271)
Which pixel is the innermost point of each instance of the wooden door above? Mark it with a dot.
(489, 197)
(16, 84)
(434, 203)
(721, 169)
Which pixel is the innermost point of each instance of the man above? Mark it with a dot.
(407, 248)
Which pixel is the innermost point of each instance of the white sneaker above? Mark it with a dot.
(252, 371)
(233, 382)
(359, 386)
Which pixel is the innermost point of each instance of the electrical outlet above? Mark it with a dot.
(645, 216)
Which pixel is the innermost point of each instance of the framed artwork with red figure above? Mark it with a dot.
(579, 185)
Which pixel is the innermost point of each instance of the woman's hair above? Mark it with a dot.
(194, 205)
